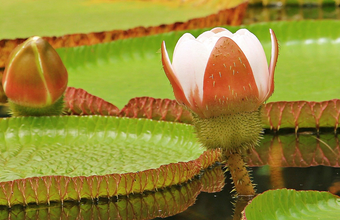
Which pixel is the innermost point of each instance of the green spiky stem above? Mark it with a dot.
(54, 109)
(234, 133)
(239, 173)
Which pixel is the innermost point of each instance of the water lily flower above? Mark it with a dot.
(35, 78)
(220, 72)
(223, 79)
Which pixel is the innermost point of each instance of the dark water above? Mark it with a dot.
(219, 205)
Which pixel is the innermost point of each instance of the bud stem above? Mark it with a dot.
(239, 173)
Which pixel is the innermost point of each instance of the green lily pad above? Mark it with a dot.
(94, 145)
(44, 159)
(291, 204)
(307, 67)
(22, 18)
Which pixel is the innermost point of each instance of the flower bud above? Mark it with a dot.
(35, 79)
(223, 79)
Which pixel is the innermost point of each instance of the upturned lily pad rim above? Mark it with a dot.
(56, 133)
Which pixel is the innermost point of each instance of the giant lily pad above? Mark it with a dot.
(306, 70)
(85, 16)
(85, 26)
(46, 159)
(291, 204)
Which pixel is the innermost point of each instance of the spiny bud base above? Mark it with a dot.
(230, 131)
(54, 109)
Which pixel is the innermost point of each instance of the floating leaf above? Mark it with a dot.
(130, 68)
(79, 102)
(156, 109)
(301, 114)
(87, 16)
(291, 204)
(275, 115)
(119, 16)
(101, 157)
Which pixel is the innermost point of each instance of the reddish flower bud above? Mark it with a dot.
(221, 73)
(35, 78)
(223, 79)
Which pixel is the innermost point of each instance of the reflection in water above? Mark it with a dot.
(218, 206)
(163, 203)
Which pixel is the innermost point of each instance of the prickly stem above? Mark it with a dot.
(239, 173)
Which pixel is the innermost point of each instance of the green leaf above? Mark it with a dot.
(118, 71)
(85, 16)
(94, 145)
(44, 159)
(291, 204)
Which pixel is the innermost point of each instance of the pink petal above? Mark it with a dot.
(273, 61)
(229, 84)
(256, 56)
(178, 90)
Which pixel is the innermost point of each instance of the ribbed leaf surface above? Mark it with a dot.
(291, 204)
(47, 159)
(91, 146)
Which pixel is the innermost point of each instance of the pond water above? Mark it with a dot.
(220, 205)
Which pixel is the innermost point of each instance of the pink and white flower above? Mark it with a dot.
(220, 72)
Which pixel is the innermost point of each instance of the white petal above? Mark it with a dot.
(225, 33)
(182, 40)
(256, 56)
(189, 62)
(202, 37)
(218, 29)
(209, 38)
